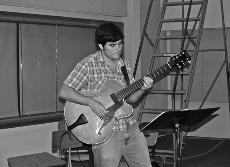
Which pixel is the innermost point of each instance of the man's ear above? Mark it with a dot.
(100, 46)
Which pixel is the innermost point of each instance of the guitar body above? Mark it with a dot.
(86, 125)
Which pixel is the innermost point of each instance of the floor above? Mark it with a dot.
(198, 152)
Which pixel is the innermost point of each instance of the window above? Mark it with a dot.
(37, 54)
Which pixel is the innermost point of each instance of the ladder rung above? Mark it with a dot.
(147, 111)
(181, 73)
(170, 152)
(211, 50)
(167, 92)
(160, 55)
(150, 110)
(175, 37)
(174, 53)
(208, 50)
(183, 3)
(180, 19)
(154, 110)
(165, 55)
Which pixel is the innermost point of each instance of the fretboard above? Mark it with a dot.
(156, 76)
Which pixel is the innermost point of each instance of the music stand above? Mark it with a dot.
(178, 121)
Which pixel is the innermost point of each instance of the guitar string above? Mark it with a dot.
(122, 94)
(163, 69)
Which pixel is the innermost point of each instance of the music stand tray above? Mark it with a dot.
(178, 121)
(186, 118)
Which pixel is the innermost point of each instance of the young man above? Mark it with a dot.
(91, 74)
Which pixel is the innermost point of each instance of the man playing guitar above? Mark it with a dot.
(92, 74)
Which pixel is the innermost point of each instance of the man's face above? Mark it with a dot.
(113, 50)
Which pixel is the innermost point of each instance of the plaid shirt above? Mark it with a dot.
(91, 73)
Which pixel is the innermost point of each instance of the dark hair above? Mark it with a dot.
(108, 32)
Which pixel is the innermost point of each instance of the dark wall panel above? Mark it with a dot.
(8, 70)
(74, 43)
(39, 68)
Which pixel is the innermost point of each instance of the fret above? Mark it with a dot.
(161, 70)
(164, 68)
(133, 88)
(119, 95)
(136, 86)
(152, 76)
(139, 84)
(168, 65)
(127, 91)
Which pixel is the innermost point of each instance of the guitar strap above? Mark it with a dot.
(125, 74)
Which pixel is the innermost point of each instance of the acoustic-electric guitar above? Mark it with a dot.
(91, 129)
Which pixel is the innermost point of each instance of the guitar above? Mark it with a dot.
(91, 129)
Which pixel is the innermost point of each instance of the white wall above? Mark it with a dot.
(219, 127)
(25, 140)
(213, 15)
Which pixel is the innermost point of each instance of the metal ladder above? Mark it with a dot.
(189, 37)
(193, 36)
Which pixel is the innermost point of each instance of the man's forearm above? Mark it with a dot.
(71, 95)
(135, 98)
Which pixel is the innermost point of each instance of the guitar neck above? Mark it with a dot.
(157, 75)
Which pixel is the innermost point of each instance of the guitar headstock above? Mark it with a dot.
(181, 60)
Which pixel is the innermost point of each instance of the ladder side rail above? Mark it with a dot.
(184, 32)
(183, 26)
(226, 51)
(184, 29)
(158, 33)
(156, 44)
(149, 40)
(182, 96)
(182, 41)
(142, 37)
(193, 29)
(142, 106)
(187, 98)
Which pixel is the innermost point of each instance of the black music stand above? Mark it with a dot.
(178, 121)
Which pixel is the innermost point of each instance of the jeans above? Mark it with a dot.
(130, 144)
